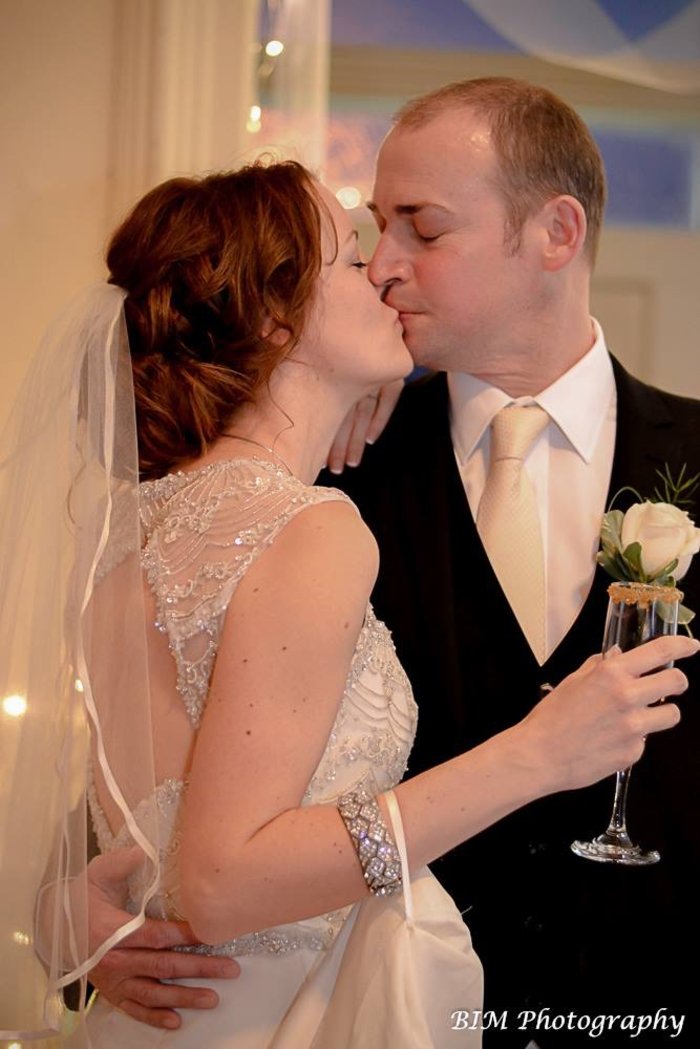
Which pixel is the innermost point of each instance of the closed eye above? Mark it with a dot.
(359, 265)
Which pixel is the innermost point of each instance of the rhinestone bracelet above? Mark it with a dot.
(373, 841)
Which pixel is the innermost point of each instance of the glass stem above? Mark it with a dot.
(618, 819)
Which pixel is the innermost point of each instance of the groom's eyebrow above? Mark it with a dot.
(408, 209)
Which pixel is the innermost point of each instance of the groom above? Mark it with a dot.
(489, 198)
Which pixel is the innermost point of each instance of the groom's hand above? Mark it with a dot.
(129, 976)
(362, 425)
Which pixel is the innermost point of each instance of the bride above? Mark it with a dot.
(249, 723)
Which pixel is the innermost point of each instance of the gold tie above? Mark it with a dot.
(508, 521)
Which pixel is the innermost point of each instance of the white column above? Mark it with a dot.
(295, 97)
(184, 83)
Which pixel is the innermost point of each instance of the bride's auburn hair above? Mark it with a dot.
(212, 268)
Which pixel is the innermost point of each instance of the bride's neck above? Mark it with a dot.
(296, 431)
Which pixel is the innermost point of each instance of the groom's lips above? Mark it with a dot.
(401, 310)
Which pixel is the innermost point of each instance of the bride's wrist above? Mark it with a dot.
(529, 761)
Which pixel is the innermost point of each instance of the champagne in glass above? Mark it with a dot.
(637, 612)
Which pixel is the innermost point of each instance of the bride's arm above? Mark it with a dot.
(251, 856)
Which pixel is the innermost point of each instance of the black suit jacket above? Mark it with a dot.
(553, 930)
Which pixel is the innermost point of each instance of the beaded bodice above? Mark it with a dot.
(202, 531)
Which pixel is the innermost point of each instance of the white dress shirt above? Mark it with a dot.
(569, 466)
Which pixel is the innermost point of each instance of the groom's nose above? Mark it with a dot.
(388, 265)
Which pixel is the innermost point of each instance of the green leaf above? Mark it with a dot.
(611, 530)
(626, 488)
(665, 612)
(632, 555)
(664, 577)
(678, 492)
(685, 616)
(610, 565)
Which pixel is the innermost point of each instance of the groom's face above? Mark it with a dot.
(443, 253)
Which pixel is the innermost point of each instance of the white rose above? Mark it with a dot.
(664, 533)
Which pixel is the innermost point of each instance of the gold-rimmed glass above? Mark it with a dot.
(637, 613)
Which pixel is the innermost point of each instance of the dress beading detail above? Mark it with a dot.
(202, 531)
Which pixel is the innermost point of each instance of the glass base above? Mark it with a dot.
(615, 848)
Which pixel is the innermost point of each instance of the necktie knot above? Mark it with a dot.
(515, 429)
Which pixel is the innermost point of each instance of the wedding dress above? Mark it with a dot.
(329, 981)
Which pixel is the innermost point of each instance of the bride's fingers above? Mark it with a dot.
(339, 449)
(658, 719)
(656, 653)
(645, 722)
(386, 402)
(656, 686)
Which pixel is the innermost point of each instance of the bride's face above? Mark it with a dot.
(351, 337)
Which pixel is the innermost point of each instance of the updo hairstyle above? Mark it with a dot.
(208, 265)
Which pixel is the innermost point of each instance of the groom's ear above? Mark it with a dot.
(562, 226)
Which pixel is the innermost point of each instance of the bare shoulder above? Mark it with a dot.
(325, 546)
(333, 533)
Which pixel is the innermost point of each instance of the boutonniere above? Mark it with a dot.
(653, 541)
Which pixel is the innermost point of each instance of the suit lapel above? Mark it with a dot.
(644, 442)
(644, 438)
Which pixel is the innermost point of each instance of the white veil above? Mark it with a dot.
(73, 661)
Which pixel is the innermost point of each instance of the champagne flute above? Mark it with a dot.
(637, 612)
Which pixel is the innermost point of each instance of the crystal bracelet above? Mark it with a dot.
(373, 841)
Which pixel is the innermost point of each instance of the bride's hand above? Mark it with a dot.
(596, 721)
(362, 425)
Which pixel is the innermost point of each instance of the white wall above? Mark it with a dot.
(55, 90)
(99, 101)
(646, 293)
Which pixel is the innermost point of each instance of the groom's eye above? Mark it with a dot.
(425, 233)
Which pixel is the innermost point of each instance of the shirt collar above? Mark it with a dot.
(578, 402)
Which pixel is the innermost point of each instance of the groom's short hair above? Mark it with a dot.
(543, 147)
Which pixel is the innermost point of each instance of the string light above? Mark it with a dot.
(272, 17)
(254, 122)
(350, 197)
(15, 706)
